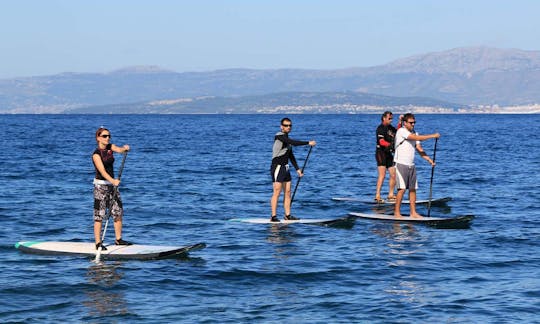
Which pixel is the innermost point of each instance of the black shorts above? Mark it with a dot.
(384, 158)
(280, 173)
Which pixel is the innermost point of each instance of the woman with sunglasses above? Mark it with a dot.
(279, 170)
(106, 196)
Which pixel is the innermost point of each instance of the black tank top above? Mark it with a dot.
(107, 158)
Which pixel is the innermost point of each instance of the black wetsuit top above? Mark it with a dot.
(386, 132)
(282, 150)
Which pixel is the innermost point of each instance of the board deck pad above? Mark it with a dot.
(113, 252)
(434, 202)
(347, 221)
(463, 221)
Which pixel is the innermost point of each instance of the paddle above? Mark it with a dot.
(431, 181)
(115, 192)
(303, 167)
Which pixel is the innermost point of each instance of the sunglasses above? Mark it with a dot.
(286, 125)
(411, 122)
(105, 136)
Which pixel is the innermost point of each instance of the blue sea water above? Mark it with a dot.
(187, 175)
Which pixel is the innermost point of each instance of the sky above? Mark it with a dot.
(45, 37)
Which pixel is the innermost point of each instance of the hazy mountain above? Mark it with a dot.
(466, 61)
(290, 102)
(476, 75)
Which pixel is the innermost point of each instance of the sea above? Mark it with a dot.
(187, 176)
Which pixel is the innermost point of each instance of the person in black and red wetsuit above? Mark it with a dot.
(105, 197)
(384, 156)
(279, 170)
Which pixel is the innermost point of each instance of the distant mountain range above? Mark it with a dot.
(286, 102)
(456, 79)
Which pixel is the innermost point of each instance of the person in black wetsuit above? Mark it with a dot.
(279, 170)
(384, 156)
(105, 197)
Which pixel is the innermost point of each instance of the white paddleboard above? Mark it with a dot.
(436, 201)
(440, 222)
(113, 252)
(338, 222)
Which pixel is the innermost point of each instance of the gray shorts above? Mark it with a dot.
(105, 199)
(406, 177)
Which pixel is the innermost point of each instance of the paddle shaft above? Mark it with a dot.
(431, 181)
(300, 178)
(115, 192)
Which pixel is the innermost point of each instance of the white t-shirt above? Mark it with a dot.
(404, 148)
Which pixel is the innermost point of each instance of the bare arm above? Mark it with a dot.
(416, 137)
(423, 154)
(119, 149)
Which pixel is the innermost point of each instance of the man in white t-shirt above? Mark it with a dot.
(407, 141)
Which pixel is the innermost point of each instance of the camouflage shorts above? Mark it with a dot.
(103, 201)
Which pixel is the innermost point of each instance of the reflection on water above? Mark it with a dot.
(282, 239)
(104, 274)
(280, 234)
(102, 299)
(404, 243)
(395, 231)
(407, 288)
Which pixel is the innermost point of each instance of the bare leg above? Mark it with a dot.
(399, 198)
(391, 182)
(275, 196)
(287, 198)
(97, 231)
(118, 229)
(381, 170)
(412, 199)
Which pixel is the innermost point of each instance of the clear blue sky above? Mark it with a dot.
(40, 37)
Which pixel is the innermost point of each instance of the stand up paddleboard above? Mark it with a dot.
(438, 222)
(342, 222)
(434, 202)
(113, 252)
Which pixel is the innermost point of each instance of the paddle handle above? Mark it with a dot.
(431, 180)
(303, 167)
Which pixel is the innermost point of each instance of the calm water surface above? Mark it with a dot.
(186, 176)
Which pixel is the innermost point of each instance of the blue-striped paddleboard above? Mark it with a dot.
(113, 252)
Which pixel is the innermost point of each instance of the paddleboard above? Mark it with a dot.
(113, 252)
(434, 202)
(439, 222)
(347, 221)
